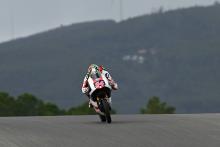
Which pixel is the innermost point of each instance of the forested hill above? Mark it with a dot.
(173, 55)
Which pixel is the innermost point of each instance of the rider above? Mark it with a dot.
(103, 71)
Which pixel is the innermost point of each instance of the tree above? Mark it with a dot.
(154, 106)
(49, 109)
(7, 104)
(28, 105)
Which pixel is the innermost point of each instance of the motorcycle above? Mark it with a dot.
(100, 92)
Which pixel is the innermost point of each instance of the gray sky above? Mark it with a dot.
(19, 18)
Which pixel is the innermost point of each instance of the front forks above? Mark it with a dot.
(96, 105)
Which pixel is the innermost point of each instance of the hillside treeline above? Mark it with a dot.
(29, 105)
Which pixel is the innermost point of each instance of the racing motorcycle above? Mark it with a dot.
(100, 91)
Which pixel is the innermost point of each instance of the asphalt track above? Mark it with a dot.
(180, 130)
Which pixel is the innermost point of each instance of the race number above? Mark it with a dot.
(99, 84)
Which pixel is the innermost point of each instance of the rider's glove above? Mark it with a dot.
(115, 86)
(85, 89)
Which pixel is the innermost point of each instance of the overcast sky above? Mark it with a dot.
(20, 18)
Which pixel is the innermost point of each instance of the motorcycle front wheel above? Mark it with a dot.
(106, 110)
(102, 118)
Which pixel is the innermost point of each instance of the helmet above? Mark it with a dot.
(92, 66)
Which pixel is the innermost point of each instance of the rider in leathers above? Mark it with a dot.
(86, 88)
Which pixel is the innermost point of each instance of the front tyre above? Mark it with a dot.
(106, 109)
(102, 118)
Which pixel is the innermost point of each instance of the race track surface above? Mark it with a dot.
(180, 130)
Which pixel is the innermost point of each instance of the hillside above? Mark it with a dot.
(174, 55)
